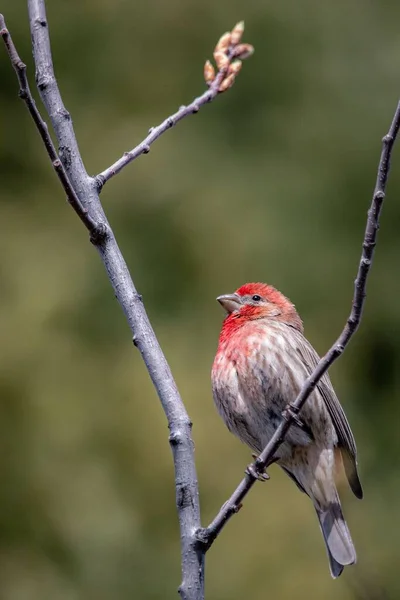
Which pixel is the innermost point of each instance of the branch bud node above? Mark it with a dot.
(223, 42)
(235, 67)
(237, 33)
(243, 51)
(209, 72)
(227, 83)
(221, 60)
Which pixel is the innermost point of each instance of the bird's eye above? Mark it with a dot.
(256, 298)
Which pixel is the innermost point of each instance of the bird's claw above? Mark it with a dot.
(292, 412)
(252, 472)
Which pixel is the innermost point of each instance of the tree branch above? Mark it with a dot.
(83, 195)
(26, 95)
(227, 49)
(82, 192)
(154, 134)
(208, 535)
(187, 496)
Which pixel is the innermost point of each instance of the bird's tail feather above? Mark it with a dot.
(337, 537)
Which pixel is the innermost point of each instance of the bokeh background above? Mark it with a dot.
(271, 182)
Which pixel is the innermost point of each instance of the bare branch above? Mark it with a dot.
(195, 541)
(208, 535)
(26, 95)
(83, 191)
(227, 49)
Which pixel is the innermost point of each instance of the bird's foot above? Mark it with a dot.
(252, 471)
(291, 412)
(272, 460)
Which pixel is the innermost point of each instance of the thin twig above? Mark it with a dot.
(26, 95)
(208, 535)
(154, 134)
(187, 494)
(234, 50)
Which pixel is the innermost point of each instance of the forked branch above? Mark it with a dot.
(26, 95)
(83, 194)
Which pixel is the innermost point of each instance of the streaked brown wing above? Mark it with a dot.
(346, 442)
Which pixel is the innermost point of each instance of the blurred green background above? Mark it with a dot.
(271, 182)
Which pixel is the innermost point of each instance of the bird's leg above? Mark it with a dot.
(273, 460)
(250, 470)
(259, 475)
(291, 412)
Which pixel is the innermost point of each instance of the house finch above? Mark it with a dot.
(261, 363)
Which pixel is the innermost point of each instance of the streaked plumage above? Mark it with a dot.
(262, 361)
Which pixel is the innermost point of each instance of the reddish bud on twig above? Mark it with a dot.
(209, 72)
(235, 67)
(243, 51)
(237, 33)
(221, 60)
(223, 42)
(227, 83)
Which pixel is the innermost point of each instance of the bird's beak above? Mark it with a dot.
(230, 302)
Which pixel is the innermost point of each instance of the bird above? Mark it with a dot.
(262, 361)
